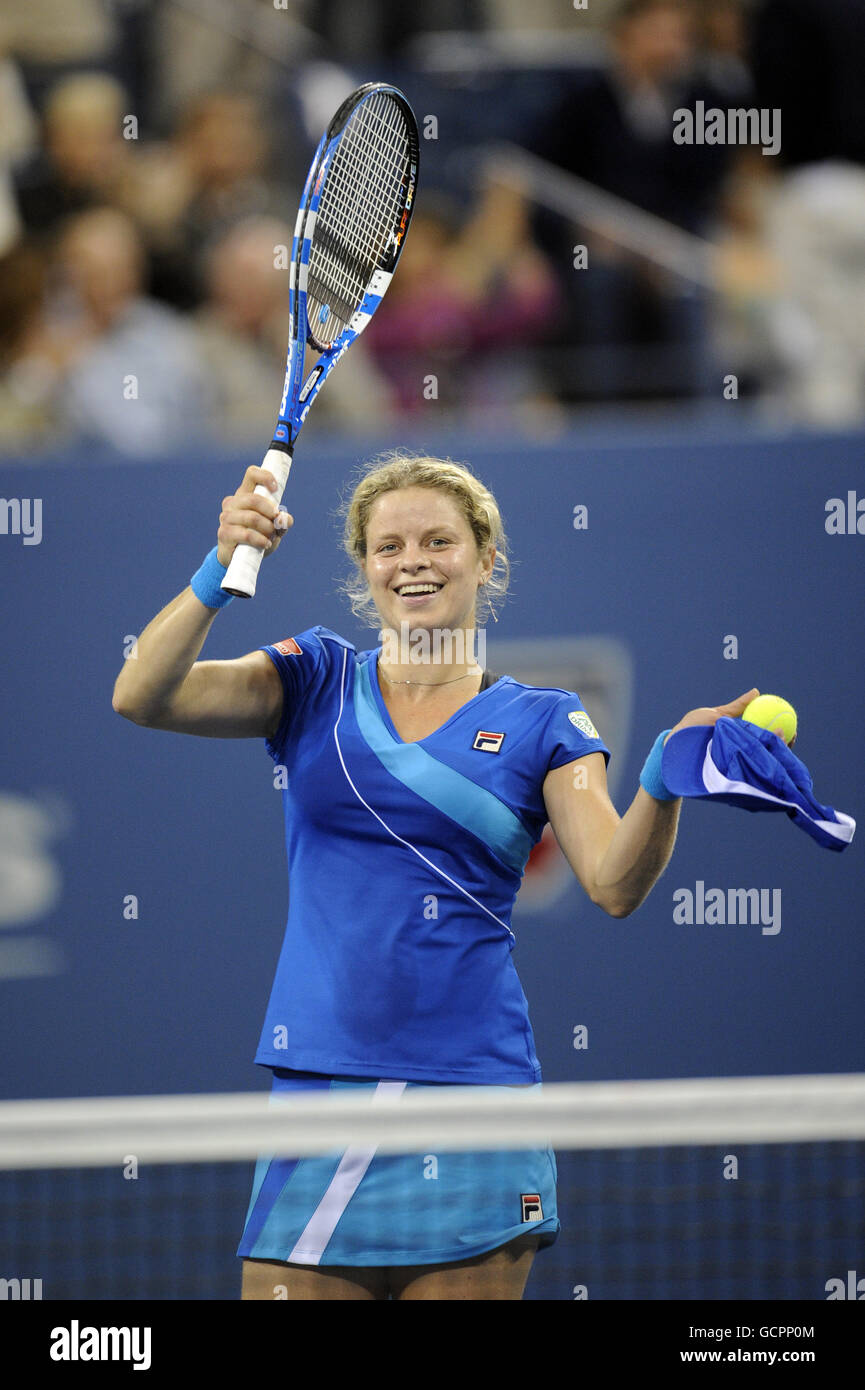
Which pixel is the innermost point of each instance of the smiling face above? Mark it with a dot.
(422, 561)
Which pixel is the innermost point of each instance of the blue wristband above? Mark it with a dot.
(206, 581)
(650, 777)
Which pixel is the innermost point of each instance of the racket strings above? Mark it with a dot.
(359, 213)
(360, 204)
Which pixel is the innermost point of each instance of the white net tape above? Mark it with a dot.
(598, 1115)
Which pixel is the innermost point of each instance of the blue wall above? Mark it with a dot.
(691, 537)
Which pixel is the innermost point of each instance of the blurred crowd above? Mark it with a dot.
(151, 157)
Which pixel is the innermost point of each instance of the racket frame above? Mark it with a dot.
(299, 393)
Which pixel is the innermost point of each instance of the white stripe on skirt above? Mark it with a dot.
(343, 1185)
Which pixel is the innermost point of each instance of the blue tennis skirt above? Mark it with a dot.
(354, 1207)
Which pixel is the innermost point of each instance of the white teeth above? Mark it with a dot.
(418, 589)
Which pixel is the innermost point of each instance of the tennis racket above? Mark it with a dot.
(350, 230)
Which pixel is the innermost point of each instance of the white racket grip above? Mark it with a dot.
(242, 573)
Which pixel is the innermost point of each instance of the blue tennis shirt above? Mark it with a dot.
(404, 861)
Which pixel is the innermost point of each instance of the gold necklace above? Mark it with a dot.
(383, 672)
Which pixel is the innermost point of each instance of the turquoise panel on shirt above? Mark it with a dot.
(471, 806)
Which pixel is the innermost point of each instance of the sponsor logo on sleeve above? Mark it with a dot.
(581, 721)
(289, 647)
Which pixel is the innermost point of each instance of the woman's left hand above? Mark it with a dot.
(709, 714)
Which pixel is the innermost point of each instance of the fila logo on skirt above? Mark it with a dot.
(532, 1210)
(487, 742)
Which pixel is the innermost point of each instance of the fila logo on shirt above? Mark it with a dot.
(486, 742)
(530, 1203)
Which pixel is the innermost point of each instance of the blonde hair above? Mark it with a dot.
(398, 469)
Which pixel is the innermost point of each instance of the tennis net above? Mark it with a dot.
(731, 1188)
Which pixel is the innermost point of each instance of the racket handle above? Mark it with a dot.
(243, 567)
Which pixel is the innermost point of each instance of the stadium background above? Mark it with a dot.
(706, 512)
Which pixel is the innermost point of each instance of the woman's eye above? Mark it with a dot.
(390, 545)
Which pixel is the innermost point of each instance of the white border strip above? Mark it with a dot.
(715, 782)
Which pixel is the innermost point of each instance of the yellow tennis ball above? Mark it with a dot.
(771, 712)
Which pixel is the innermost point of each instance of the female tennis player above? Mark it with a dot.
(417, 785)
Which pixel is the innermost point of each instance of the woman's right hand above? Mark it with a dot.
(250, 518)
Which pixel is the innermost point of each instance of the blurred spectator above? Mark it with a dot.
(242, 326)
(189, 190)
(132, 378)
(242, 335)
(615, 127)
(18, 136)
(478, 292)
(816, 226)
(748, 277)
(84, 158)
(722, 50)
(809, 308)
(28, 366)
(790, 318)
(633, 330)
